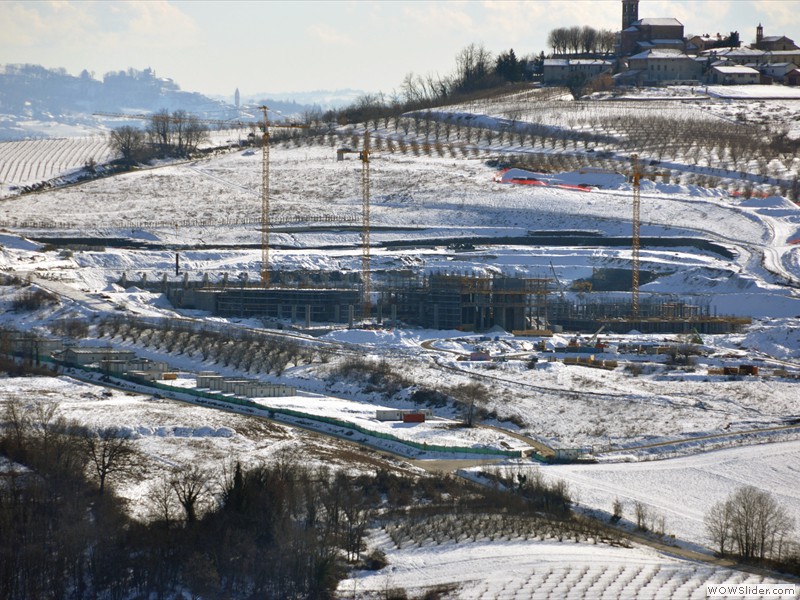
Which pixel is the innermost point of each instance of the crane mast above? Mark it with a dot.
(365, 258)
(265, 202)
(635, 240)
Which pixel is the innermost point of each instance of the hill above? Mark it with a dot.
(719, 225)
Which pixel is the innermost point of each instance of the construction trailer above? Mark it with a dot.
(249, 388)
(88, 356)
(417, 415)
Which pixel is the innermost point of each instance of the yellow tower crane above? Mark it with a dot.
(234, 124)
(265, 225)
(366, 275)
(635, 239)
(366, 270)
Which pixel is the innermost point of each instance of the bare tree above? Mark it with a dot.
(750, 522)
(129, 142)
(472, 397)
(110, 451)
(160, 130)
(717, 522)
(161, 500)
(190, 485)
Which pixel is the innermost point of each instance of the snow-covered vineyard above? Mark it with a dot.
(670, 422)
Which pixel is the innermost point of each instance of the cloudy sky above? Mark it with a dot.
(281, 46)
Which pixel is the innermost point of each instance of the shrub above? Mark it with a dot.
(35, 299)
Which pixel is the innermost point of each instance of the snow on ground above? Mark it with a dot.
(436, 431)
(683, 489)
(428, 201)
(173, 434)
(537, 569)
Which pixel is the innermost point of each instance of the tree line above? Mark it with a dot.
(584, 40)
(175, 134)
(751, 525)
(272, 530)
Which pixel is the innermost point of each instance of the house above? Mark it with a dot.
(733, 75)
(560, 70)
(738, 56)
(657, 66)
(778, 71)
(792, 78)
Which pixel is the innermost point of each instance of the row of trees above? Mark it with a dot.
(751, 524)
(581, 40)
(176, 134)
(476, 70)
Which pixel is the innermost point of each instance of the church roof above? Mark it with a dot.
(667, 22)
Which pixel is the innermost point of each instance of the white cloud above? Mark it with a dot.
(96, 26)
(440, 16)
(784, 17)
(329, 35)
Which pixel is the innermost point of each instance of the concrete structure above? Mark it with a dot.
(468, 302)
(328, 305)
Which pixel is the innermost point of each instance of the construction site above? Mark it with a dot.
(438, 300)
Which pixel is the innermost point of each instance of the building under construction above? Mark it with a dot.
(466, 302)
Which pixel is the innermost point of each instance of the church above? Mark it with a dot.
(654, 51)
(638, 35)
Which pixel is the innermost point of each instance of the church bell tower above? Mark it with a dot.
(630, 12)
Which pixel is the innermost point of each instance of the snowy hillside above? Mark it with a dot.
(719, 229)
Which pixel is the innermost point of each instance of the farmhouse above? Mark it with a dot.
(778, 71)
(661, 65)
(561, 70)
(733, 75)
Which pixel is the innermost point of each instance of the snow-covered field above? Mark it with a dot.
(517, 569)
(207, 210)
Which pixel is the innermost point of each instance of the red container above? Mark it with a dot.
(413, 418)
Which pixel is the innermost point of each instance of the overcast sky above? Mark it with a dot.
(215, 47)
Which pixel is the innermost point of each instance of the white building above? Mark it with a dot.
(561, 70)
(733, 75)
